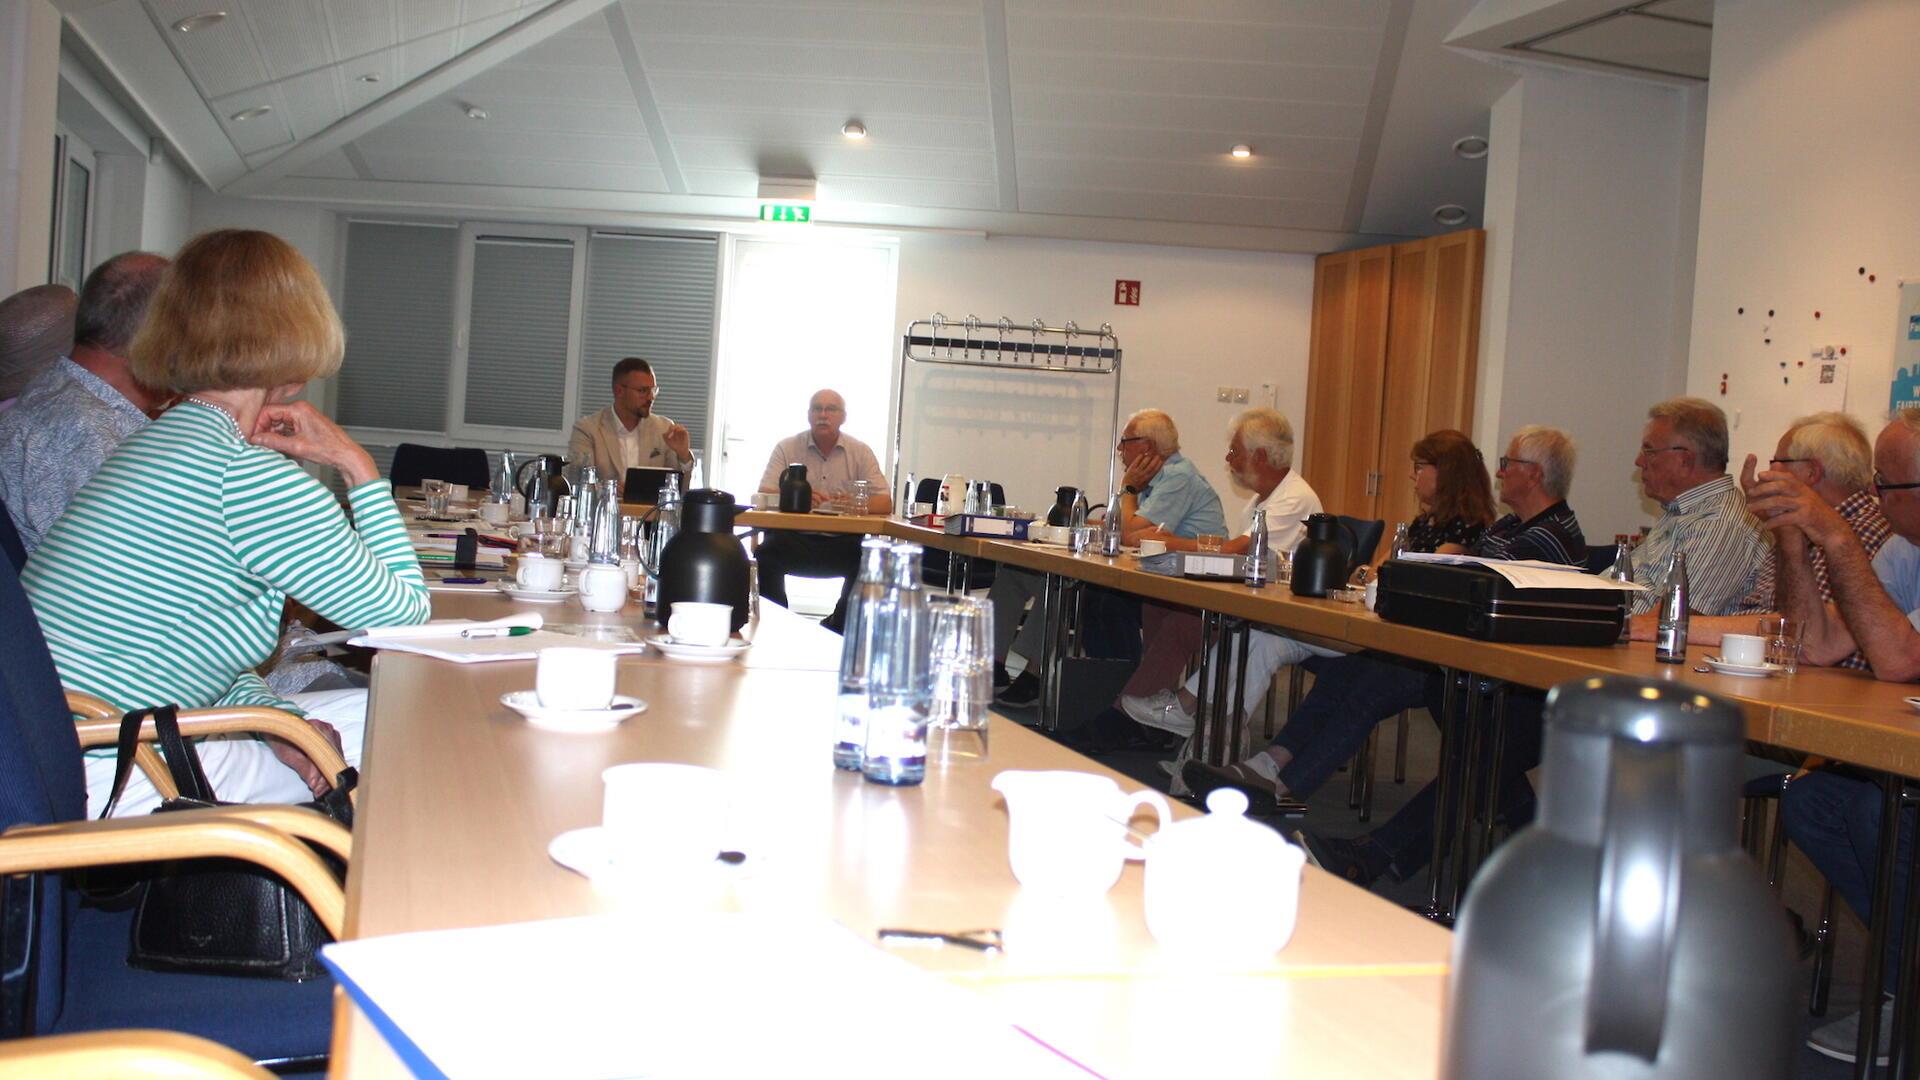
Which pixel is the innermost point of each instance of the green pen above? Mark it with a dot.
(497, 631)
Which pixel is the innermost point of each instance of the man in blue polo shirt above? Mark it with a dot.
(1163, 495)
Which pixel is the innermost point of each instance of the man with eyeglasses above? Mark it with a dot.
(628, 434)
(1833, 814)
(835, 461)
(1683, 467)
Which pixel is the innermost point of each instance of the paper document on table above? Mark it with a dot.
(485, 650)
(1532, 573)
(707, 995)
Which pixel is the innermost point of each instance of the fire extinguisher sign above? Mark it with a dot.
(1126, 293)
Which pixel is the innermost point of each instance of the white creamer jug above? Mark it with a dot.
(1067, 831)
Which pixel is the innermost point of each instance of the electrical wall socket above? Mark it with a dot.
(1224, 393)
(1240, 395)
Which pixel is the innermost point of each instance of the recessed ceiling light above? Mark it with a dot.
(249, 114)
(371, 76)
(200, 22)
(854, 129)
(1471, 147)
(1450, 214)
(475, 112)
(1242, 150)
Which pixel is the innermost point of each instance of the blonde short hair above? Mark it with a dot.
(1838, 443)
(238, 309)
(1157, 427)
(1265, 429)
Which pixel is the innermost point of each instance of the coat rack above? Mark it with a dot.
(1060, 350)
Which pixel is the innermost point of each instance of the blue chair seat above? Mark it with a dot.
(265, 1019)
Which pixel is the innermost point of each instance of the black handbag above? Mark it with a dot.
(219, 916)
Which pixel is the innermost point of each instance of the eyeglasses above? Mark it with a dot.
(1506, 461)
(1125, 439)
(1646, 450)
(1880, 484)
(1418, 465)
(1788, 460)
(825, 409)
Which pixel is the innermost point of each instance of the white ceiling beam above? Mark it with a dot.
(504, 45)
(993, 15)
(1393, 42)
(626, 43)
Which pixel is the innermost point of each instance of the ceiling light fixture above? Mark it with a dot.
(475, 112)
(1450, 215)
(1471, 147)
(854, 129)
(249, 114)
(371, 76)
(1242, 150)
(200, 22)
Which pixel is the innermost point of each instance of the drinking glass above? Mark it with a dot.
(1209, 543)
(436, 494)
(1783, 641)
(860, 503)
(961, 637)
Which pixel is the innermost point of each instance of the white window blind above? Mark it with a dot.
(517, 342)
(398, 312)
(652, 297)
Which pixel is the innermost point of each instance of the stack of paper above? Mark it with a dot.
(446, 640)
(703, 995)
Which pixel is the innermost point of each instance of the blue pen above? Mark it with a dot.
(463, 581)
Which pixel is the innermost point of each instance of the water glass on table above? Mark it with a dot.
(1783, 641)
(961, 636)
(1207, 542)
(437, 494)
(858, 503)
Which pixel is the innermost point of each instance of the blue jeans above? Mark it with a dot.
(1835, 818)
(1407, 837)
(1350, 695)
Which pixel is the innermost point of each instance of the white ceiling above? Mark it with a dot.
(1104, 119)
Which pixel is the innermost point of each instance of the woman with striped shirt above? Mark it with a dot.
(165, 579)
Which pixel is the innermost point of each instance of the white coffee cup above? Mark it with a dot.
(701, 624)
(575, 678)
(603, 587)
(495, 513)
(1748, 649)
(1152, 547)
(663, 818)
(457, 492)
(536, 571)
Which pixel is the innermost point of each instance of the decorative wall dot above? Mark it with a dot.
(1872, 278)
(1863, 270)
(1769, 313)
(1816, 314)
(1784, 380)
(1769, 341)
(1843, 350)
(1740, 311)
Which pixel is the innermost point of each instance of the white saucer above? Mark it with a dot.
(1912, 702)
(535, 596)
(698, 654)
(1753, 671)
(527, 704)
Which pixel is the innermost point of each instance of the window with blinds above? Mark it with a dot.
(398, 310)
(519, 329)
(652, 297)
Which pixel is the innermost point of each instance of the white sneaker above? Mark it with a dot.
(1161, 710)
(1839, 1039)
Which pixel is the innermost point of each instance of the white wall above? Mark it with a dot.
(1592, 196)
(313, 232)
(166, 220)
(29, 93)
(1812, 172)
(1206, 319)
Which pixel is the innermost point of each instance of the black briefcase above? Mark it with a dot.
(1476, 602)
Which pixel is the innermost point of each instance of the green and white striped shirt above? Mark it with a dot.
(165, 579)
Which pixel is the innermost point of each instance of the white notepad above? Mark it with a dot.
(676, 995)
(441, 640)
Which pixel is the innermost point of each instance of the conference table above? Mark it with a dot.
(461, 800)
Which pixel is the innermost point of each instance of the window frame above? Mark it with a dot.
(71, 150)
(458, 431)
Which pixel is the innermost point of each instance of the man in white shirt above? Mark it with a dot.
(834, 461)
(628, 434)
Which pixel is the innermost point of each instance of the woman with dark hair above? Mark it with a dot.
(165, 579)
(1456, 498)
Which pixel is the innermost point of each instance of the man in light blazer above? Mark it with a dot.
(628, 434)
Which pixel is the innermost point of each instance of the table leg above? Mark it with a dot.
(1443, 781)
(1879, 925)
(1233, 729)
(1905, 1059)
(1210, 637)
(1472, 746)
(1497, 748)
(1053, 604)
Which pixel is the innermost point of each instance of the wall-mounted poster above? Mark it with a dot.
(1906, 349)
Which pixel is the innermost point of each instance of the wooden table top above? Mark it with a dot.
(461, 799)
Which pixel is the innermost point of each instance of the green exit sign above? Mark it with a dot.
(785, 212)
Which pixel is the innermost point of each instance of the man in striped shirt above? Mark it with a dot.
(1683, 466)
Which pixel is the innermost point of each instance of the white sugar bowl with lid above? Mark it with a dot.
(1222, 886)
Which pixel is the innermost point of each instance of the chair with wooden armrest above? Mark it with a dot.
(124, 1055)
(98, 724)
(63, 966)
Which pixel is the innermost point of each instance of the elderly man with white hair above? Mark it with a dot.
(1163, 496)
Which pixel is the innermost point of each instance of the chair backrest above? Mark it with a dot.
(927, 490)
(413, 463)
(11, 546)
(1366, 535)
(1599, 557)
(42, 781)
